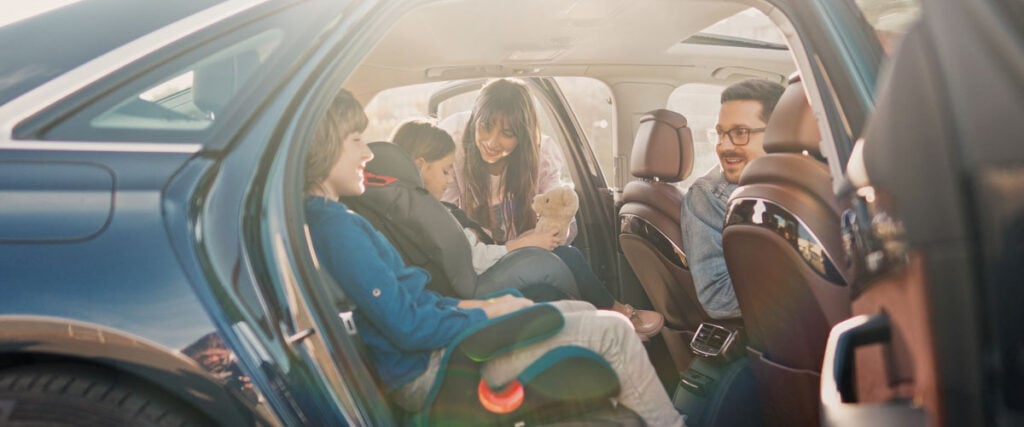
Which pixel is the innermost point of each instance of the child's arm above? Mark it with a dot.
(484, 255)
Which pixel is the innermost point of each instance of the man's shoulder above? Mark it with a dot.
(706, 184)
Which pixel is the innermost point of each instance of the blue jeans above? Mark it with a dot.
(535, 272)
(591, 288)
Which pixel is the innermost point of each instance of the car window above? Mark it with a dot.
(180, 100)
(591, 100)
(193, 97)
(699, 103)
(392, 107)
(748, 25)
(891, 19)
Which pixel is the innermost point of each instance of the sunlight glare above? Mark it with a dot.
(16, 10)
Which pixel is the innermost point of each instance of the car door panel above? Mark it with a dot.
(54, 201)
(944, 196)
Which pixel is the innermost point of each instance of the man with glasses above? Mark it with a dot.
(742, 118)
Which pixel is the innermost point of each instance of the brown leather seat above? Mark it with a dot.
(650, 234)
(783, 248)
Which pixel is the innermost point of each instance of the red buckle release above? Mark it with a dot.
(503, 402)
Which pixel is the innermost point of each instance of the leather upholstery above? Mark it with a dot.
(792, 128)
(663, 147)
(788, 307)
(650, 235)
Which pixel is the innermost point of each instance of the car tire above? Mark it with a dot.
(70, 394)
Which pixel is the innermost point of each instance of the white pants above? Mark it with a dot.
(606, 333)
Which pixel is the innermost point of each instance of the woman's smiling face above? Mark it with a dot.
(495, 140)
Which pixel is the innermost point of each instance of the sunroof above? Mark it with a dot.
(720, 40)
(749, 28)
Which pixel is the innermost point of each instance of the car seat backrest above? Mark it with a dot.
(783, 249)
(650, 234)
(416, 223)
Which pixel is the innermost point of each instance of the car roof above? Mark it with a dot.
(609, 40)
(47, 45)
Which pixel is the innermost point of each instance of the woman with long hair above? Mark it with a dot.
(433, 152)
(503, 163)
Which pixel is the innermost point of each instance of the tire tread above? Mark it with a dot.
(85, 395)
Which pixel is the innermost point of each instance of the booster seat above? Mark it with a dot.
(568, 382)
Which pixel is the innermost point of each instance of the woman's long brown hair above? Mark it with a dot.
(508, 101)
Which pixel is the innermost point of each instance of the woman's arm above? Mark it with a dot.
(484, 255)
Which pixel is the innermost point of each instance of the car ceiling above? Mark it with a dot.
(611, 40)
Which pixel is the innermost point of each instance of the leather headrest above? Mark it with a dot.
(792, 128)
(390, 160)
(663, 148)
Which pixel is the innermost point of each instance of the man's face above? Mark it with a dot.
(740, 114)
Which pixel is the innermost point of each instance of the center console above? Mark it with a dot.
(718, 389)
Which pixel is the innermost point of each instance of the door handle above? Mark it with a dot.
(838, 393)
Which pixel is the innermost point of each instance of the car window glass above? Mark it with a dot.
(191, 99)
(392, 107)
(591, 100)
(891, 19)
(699, 103)
(748, 25)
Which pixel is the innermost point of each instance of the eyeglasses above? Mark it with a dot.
(738, 136)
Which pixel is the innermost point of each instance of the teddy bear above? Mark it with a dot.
(555, 210)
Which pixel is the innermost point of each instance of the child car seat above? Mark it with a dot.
(422, 229)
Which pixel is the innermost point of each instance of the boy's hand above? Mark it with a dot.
(505, 304)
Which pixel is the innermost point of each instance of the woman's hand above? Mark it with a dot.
(545, 240)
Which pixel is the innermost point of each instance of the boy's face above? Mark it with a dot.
(346, 177)
(739, 114)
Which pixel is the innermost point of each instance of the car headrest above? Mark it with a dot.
(792, 128)
(663, 148)
(391, 162)
(215, 84)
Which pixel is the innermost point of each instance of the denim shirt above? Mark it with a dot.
(703, 217)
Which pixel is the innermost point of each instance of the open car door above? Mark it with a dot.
(937, 231)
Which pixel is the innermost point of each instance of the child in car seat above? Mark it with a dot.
(406, 327)
(433, 152)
